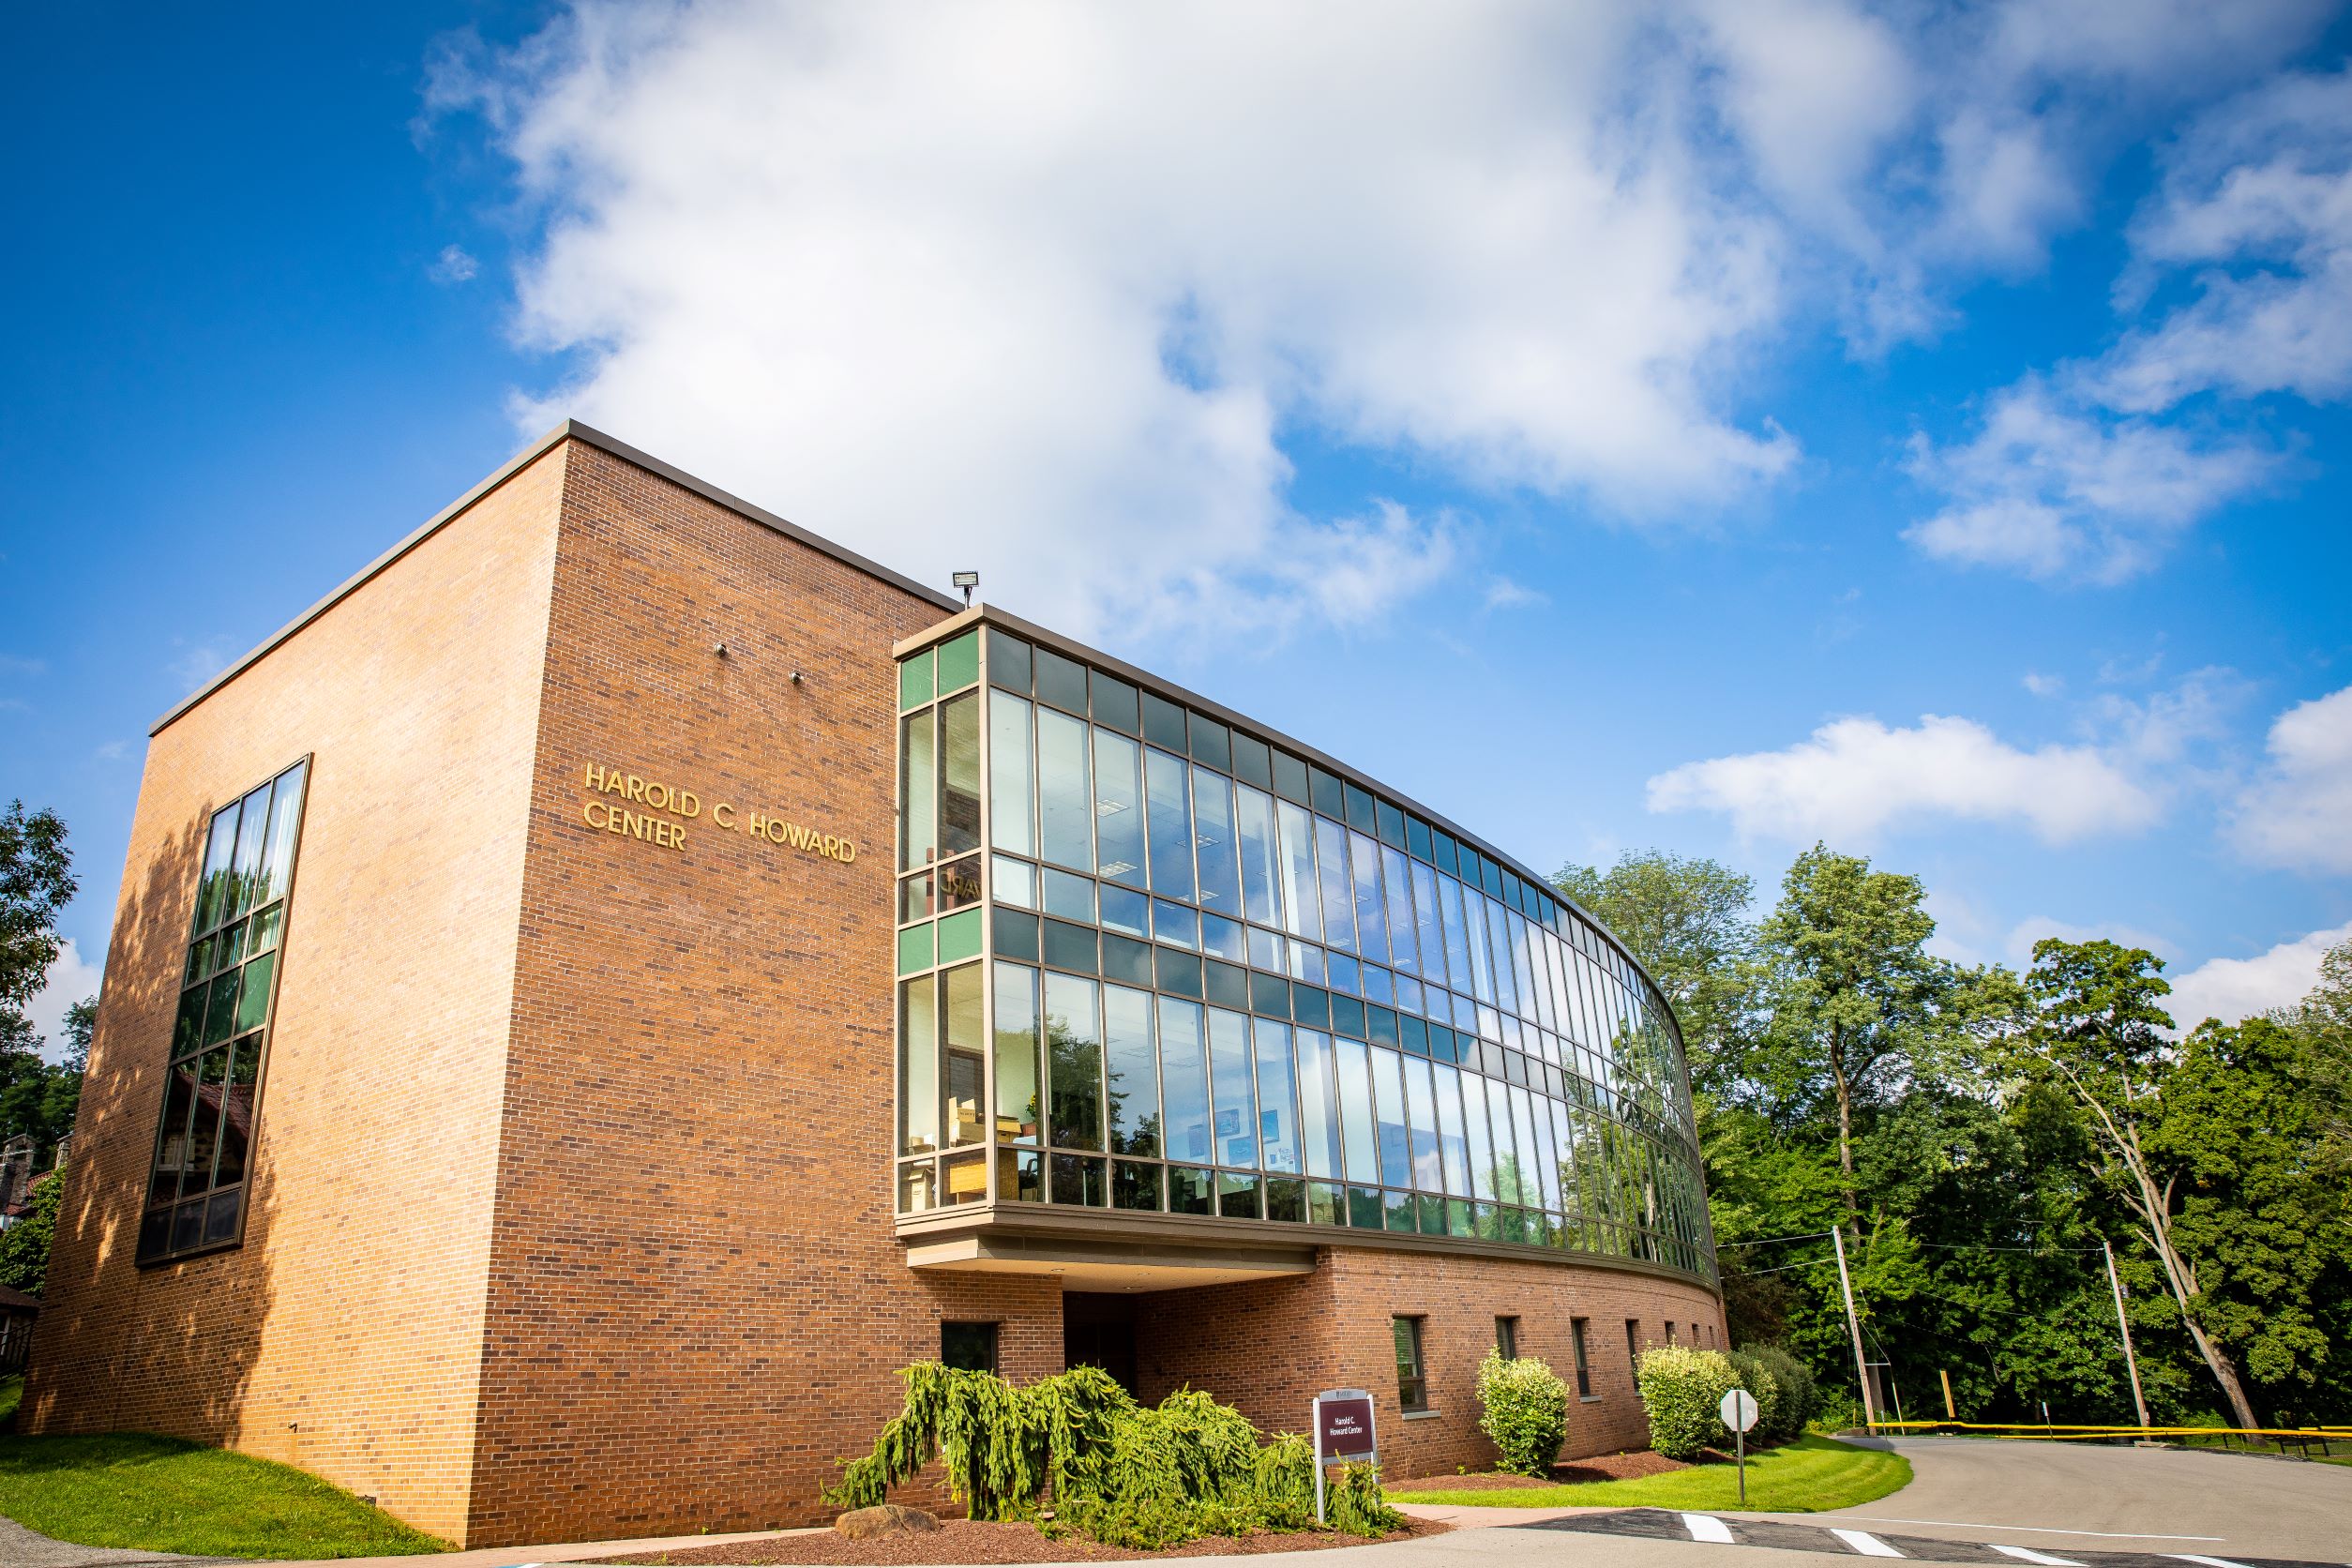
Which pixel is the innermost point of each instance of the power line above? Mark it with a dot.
(1768, 1241)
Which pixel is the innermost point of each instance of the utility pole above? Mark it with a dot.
(1870, 1413)
(2139, 1402)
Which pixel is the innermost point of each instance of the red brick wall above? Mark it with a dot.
(697, 1299)
(1268, 1347)
(345, 1334)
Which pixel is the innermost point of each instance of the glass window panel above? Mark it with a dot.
(1080, 1181)
(1360, 1143)
(1417, 841)
(1237, 1196)
(1392, 824)
(1328, 795)
(1176, 925)
(253, 998)
(1278, 1098)
(1222, 938)
(1262, 874)
(1458, 948)
(962, 1010)
(1190, 1190)
(203, 1134)
(1166, 787)
(1016, 935)
(1453, 1142)
(1509, 1172)
(1115, 704)
(1400, 1213)
(1371, 920)
(918, 790)
(1008, 661)
(1447, 853)
(1012, 775)
(1270, 995)
(1213, 810)
(1499, 934)
(1359, 814)
(1290, 778)
(1319, 1105)
(1134, 1185)
(245, 879)
(1211, 743)
(1421, 1100)
(187, 1031)
(1124, 958)
(918, 1065)
(1126, 910)
(960, 883)
(1388, 1100)
(1118, 807)
(1403, 930)
(1016, 881)
(236, 1110)
(285, 824)
(1300, 905)
(1253, 761)
(1075, 1050)
(1227, 986)
(1184, 1079)
(1018, 1112)
(1068, 897)
(1134, 1073)
(1164, 723)
(220, 1008)
(1266, 950)
(1286, 1199)
(1484, 1172)
(1065, 794)
(212, 895)
(960, 661)
(1380, 986)
(914, 679)
(1060, 681)
(1326, 1203)
(1178, 971)
(1338, 889)
(1232, 1076)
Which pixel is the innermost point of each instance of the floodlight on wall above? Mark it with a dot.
(967, 582)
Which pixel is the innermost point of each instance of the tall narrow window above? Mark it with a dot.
(1412, 1383)
(196, 1190)
(1584, 1362)
(1507, 1339)
(1632, 1348)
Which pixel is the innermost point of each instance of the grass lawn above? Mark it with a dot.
(1802, 1477)
(11, 1390)
(160, 1494)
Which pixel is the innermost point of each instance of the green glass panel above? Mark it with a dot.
(958, 663)
(187, 1033)
(199, 961)
(266, 926)
(914, 949)
(958, 938)
(254, 1000)
(915, 680)
(285, 824)
(220, 1010)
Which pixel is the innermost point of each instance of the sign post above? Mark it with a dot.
(1342, 1424)
(1737, 1411)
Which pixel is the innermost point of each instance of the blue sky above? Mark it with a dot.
(1707, 426)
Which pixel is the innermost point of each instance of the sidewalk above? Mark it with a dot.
(528, 1557)
(1462, 1517)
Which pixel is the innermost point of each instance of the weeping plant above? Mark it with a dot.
(1127, 1474)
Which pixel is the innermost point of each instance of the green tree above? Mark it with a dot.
(25, 1246)
(1686, 920)
(2101, 1032)
(36, 884)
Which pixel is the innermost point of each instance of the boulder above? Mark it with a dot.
(889, 1519)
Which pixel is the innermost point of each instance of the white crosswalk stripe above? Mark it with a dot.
(2026, 1554)
(1864, 1542)
(2207, 1562)
(1706, 1527)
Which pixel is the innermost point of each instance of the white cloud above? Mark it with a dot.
(1503, 593)
(2257, 202)
(1855, 777)
(1039, 287)
(453, 265)
(196, 663)
(71, 979)
(2299, 812)
(2050, 489)
(2234, 988)
(2042, 685)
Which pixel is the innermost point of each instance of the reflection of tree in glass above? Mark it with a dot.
(1075, 1066)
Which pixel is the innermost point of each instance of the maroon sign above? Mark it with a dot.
(1343, 1425)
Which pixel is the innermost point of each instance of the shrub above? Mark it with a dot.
(1127, 1475)
(1524, 1407)
(1680, 1389)
(1758, 1380)
(1836, 1412)
(1797, 1394)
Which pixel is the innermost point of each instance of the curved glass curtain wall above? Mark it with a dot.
(1149, 962)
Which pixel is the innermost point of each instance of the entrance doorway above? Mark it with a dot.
(1100, 1330)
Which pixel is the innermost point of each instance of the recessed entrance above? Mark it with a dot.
(1100, 1330)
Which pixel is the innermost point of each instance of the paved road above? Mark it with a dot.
(2037, 1493)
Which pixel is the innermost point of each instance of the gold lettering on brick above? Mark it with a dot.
(658, 795)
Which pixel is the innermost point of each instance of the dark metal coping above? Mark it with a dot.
(570, 430)
(987, 614)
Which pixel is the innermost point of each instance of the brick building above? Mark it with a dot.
(622, 975)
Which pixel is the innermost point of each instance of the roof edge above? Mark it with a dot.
(569, 429)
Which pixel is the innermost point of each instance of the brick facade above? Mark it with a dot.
(571, 1211)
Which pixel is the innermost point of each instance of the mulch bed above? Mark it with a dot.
(1601, 1467)
(961, 1541)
